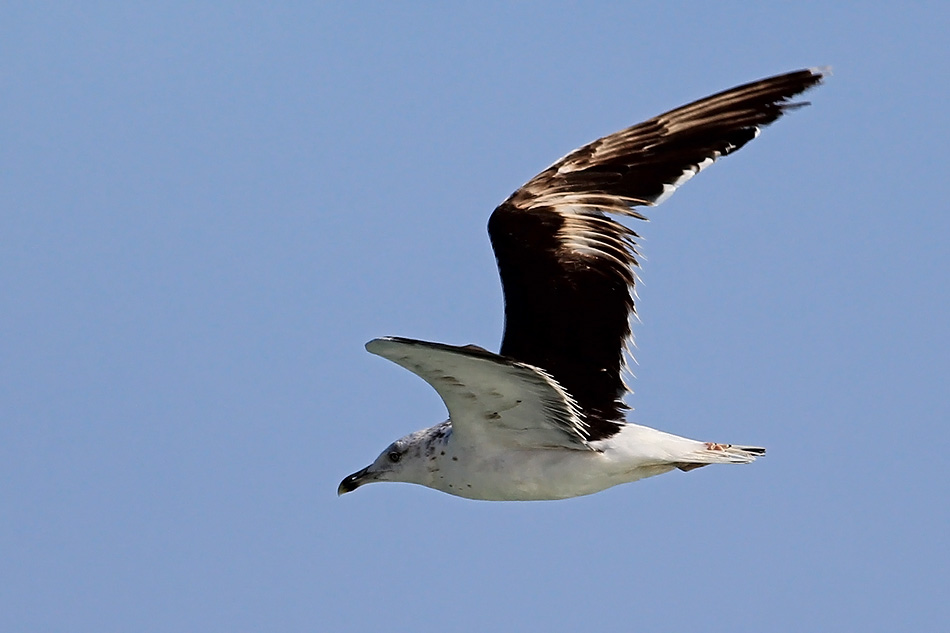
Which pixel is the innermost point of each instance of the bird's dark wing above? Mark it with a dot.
(566, 267)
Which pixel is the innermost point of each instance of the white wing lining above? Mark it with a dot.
(489, 397)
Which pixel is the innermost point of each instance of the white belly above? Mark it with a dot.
(507, 474)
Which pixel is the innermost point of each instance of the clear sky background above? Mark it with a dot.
(206, 209)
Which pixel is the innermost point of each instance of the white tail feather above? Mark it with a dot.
(712, 453)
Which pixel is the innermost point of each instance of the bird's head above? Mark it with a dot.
(401, 461)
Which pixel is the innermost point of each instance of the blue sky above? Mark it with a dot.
(207, 208)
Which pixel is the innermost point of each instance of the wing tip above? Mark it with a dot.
(816, 76)
(821, 72)
(379, 345)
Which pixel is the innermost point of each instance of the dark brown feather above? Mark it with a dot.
(566, 268)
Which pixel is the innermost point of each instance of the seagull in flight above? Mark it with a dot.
(544, 418)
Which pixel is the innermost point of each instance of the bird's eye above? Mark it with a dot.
(394, 456)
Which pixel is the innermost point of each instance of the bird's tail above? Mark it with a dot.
(712, 453)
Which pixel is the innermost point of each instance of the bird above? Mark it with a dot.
(544, 418)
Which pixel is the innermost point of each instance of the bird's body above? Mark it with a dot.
(492, 472)
(544, 419)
